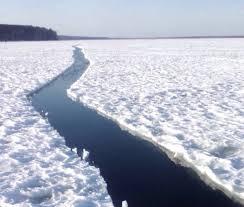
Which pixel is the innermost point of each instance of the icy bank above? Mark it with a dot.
(185, 96)
(36, 168)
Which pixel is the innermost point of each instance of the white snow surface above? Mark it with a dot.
(36, 168)
(185, 96)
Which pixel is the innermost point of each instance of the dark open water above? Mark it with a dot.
(133, 169)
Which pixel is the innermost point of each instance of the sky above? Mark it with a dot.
(128, 18)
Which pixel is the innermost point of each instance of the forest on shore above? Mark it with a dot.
(26, 33)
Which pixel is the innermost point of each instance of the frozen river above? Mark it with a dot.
(133, 169)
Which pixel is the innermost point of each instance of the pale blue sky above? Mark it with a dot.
(129, 17)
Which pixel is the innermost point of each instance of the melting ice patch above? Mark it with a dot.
(124, 204)
(186, 96)
(36, 168)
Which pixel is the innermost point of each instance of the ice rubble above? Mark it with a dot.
(36, 168)
(185, 96)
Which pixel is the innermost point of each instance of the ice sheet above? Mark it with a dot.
(36, 168)
(185, 96)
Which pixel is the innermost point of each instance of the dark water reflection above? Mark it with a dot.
(133, 169)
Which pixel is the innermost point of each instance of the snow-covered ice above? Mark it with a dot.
(185, 96)
(36, 168)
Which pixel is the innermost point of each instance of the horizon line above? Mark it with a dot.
(158, 37)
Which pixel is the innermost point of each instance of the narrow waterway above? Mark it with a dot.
(133, 169)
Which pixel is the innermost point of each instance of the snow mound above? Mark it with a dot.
(185, 96)
(36, 168)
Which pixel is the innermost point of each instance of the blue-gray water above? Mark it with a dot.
(133, 169)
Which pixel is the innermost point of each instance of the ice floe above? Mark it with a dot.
(185, 96)
(36, 168)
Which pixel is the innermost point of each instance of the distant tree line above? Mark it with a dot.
(66, 37)
(25, 33)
